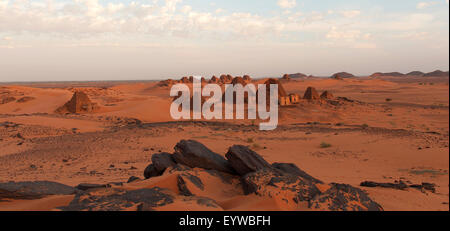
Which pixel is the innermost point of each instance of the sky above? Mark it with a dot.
(66, 40)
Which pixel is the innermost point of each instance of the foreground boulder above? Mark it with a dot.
(33, 189)
(160, 162)
(196, 155)
(343, 197)
(244, 160)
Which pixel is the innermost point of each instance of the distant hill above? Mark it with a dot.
(391, 74)
(341, 75)
(296, 75)
(437, 73)
(416, 73)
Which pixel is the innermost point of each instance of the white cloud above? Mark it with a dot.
(423, 5)
(287, 4)
(350, 13)
(186, 9)
(347, 35)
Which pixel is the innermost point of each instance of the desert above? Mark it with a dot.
(343, 143)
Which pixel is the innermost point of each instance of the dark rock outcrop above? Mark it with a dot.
(87, 186)
(294, 170)
(119, 199)
(343, 197)
(194, 154)
(182, 184)
(269, 182)
(33, 189)
(244, 160)
(400, 185)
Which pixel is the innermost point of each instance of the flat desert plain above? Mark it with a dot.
(374, 143)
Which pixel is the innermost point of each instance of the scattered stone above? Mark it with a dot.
(25, 99)
(400, 185)
(133, 179)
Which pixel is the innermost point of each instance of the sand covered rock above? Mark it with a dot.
(113, 199)
(271, 183)
(194, 154)
(184, 179)
(343, 197)
(326, 95)
(311, 94)
(244, 160)
(294, 170)
(25, 99)
(79, 103)
(33, 189)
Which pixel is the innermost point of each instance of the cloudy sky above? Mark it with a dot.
(42, 40)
